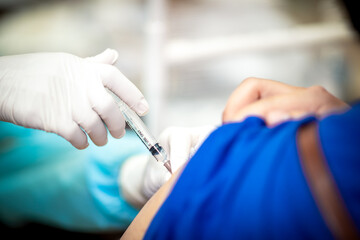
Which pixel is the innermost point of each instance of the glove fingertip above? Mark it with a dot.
(79, 146)
(113, 55)
(82, 147)
(101, 142)
(142, 108)
(118, 134)
(75, 136)
(109, 56)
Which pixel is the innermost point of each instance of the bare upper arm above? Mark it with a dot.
(140, 224)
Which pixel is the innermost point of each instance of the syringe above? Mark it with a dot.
(138, 126)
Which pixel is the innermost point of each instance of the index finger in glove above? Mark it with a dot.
(113, 79)
(250, 91)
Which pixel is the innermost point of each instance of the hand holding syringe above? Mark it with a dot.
(138, 126)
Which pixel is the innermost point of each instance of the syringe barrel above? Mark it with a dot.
(136, 124)
(159, 153)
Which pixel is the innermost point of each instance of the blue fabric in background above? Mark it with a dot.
(44, 179)
(246, 182)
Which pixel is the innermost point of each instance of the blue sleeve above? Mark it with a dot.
(246, 182)
(44, 179)
(340, 140)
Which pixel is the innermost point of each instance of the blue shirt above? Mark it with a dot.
(246, 182)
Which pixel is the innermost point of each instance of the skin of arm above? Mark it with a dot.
(138, 227)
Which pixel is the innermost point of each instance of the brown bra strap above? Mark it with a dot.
(322, 184)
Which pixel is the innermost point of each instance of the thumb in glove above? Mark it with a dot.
(180, 143)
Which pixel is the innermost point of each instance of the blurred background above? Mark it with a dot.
(188, 56)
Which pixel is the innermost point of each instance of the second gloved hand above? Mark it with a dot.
(142, 176)
(65, 94)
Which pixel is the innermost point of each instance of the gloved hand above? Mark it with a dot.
(141, 176)
(65, 94)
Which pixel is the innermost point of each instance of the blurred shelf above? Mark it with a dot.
(183, 51)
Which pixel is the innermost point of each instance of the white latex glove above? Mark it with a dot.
(65, 94)
(142, 176)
